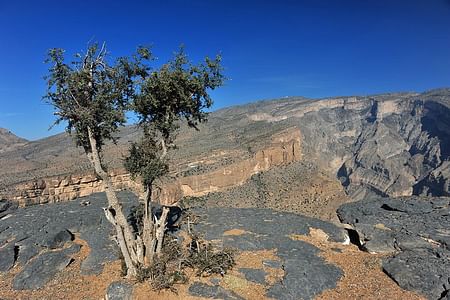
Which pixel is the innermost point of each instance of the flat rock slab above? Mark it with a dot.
(102, 249)
(254, 275)
(426, 271)
(306, 273)
(119, 290)
(7, 257)
(27, 234)
(416, 231)
(199, 289)
(41, 270)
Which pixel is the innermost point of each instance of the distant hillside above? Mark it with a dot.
(293, 154)
(8, 140)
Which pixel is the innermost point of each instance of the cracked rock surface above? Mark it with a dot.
(34, 237)
(39, 239)
(306, 273)
(415, 230)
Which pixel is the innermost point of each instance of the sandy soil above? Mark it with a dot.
(363, 275)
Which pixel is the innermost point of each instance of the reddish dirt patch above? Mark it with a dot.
(69, 284)
(234, 232)
(363, 276)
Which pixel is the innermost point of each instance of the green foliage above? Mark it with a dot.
(91, 93)
(143, 160)
(177, 91)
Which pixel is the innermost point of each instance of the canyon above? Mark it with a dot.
(360, 181)
(390, 145)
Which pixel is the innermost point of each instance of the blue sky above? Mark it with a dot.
(270, 48)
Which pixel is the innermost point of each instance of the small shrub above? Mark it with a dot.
(205, 260)
(170, 267)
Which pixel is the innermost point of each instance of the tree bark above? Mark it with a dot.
(148, 234)
(120, 240)
(161, 229)
(125, 237)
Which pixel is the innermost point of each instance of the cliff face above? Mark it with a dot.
(402, 146)
(392, 145)
(282, 150)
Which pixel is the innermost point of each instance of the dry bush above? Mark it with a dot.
(199, 256)
(206, 260)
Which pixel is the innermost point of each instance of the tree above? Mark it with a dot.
(92, 96)
(177, 91)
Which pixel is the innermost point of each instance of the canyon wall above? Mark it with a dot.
(390, 145)
(284, 148)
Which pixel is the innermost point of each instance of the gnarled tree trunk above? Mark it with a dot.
(148, 234)
(130, 247)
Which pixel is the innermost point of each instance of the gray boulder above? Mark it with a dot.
(7, 257)
(119, 290)
(41, 270)
(415, 231)
(254, 275)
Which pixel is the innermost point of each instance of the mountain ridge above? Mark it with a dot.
(394, 144)
(9, 141)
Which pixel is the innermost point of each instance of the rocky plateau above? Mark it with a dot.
(369, 172)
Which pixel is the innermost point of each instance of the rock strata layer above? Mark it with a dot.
(283, 149)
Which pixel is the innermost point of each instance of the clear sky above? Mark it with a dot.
(271, 49)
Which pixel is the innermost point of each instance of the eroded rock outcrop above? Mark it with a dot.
(284, 149)
(40, 239)
(304, 272)
(64, 188)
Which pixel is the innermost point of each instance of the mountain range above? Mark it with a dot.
(297, 154)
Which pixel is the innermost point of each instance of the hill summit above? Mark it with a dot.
(9, 140)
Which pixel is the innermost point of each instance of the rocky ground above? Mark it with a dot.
(50, 251)
(281, 165)
(414, 231)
